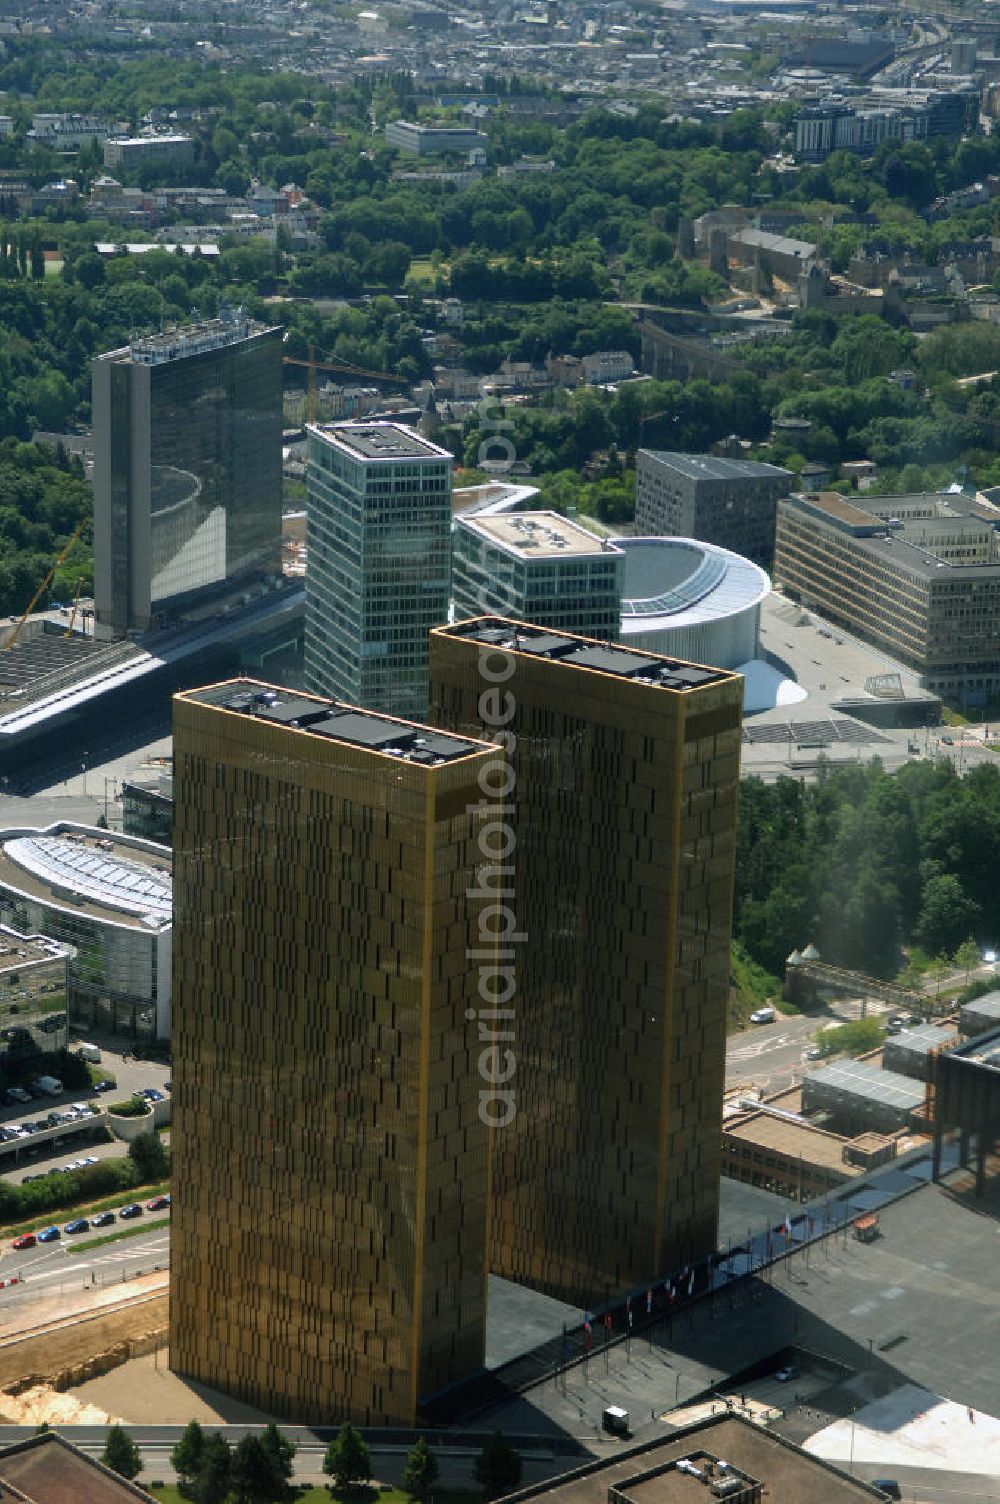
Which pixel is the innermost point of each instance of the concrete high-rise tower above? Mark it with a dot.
(187, 470)
(621, 776)
(329, 1233)
(379, 529)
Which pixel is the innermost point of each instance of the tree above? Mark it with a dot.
(946, 914)
(348, 1460)
(937, 970)
(150, 1156)
(421, 1471)
(211, 1486)
(121, 1454)
(251, 1475)
(498, 1467)
(187, 1454)
(281, 1453)
(967, 956)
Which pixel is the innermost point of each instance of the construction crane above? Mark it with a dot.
(76, 601)
(64, 553)
(339, 368)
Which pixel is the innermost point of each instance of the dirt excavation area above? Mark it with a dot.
(51, 1346)
(97, 1356)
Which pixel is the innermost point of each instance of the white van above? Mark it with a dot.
(763, 1015)
(90, 1052)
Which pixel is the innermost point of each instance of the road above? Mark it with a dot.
(456, 1454)
(55, 1268)
(769, 1053)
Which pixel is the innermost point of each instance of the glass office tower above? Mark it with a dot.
(187, 470)
(379, 575)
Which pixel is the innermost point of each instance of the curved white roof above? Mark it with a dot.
(103, 877)
(681, 582)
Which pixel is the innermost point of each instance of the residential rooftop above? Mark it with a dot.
(334, 721)
(584, 652)
(379, 441)
(539, 535)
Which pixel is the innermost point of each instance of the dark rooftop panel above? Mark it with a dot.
(294, 712)
(542, 644)
(363, 730)
(578, 652)
(613, 661)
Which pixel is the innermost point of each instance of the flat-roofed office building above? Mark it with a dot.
(325, 1081)
(109, 898)
(917, 575)
(379, 575)
(33, 994)
(187, 471)
(537, 566)
(728, 502)
(622, 775)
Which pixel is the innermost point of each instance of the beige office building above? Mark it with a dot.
(918, 576)
(329, 1229)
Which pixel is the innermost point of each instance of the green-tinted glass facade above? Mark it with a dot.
(187, 480)
(379, 573)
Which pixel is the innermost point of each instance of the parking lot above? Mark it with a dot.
(64, 1130)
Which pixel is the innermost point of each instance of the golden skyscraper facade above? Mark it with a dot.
(623, 772)
(330, 1162)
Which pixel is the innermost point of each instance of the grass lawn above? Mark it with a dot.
(422, 272)
(320, 1494)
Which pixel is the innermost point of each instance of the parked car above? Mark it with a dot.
(16, 1094)
(49, 1235)
(26, 1240)
(151, 1094)
(103, 1219)
(763, 1015)
(158, 1204)
(100, 1086)
(130, 1211)
(814, 1052)
(788, 1372)
(79, 1224)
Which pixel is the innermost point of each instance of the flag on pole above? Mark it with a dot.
(691, 1283)
(649, 1302)
(786, 1228)
(588, 1330)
